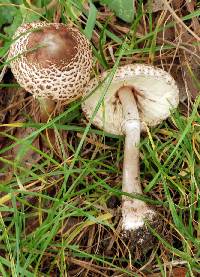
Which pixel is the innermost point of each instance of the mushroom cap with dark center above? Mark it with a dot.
(55, 46)
(51, 60)
(155, 90)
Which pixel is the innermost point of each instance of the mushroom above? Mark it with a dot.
(138, 95)
(52, 61)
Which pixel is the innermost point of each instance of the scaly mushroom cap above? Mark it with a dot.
(155, 90)
(50, 60)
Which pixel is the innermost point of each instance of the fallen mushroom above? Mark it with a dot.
(50, 60)
(138, 95)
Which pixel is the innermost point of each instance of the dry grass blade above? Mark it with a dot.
(179, 20)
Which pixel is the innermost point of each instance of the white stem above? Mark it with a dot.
(131, 129)
(133, 211)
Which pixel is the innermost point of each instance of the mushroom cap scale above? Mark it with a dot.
(51, 60)
(157, 95)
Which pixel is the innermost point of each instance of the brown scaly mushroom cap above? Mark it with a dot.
(51, 60)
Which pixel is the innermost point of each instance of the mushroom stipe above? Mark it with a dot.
(138, 95)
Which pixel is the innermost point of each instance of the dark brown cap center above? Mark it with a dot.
(51, 45)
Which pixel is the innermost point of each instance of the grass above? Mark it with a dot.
(55, 215)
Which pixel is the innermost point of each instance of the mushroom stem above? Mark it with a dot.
(133, 210)
(131, 129)
(47, 106)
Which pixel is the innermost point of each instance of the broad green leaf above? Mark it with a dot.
(29, 15)
(21, 14)
(8, 11)
(10, 30)
(123, 9)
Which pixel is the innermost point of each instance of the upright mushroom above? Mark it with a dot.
(50, 60)
(138, 95)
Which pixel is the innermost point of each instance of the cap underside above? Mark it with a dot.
(157, 96)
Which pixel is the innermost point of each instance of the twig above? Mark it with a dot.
(179, 20)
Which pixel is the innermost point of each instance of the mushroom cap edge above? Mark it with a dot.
(158, 95)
